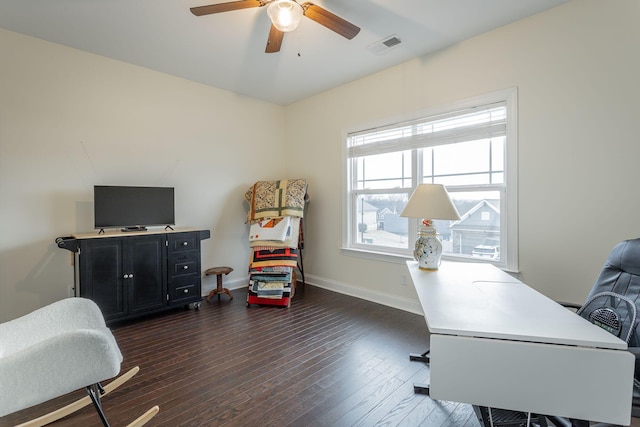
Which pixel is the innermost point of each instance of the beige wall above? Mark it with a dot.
(69, 120)
(576, 68)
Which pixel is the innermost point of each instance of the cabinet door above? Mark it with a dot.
(145, 269)
(101, 275)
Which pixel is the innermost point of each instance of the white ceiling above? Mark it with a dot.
(226, 50)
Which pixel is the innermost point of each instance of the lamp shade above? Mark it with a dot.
(430, 201)
(285, 15)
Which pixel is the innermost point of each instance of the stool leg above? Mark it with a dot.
(216, 291)
(219, 289)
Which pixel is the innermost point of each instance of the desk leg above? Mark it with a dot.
(423, 357)
(420, 388)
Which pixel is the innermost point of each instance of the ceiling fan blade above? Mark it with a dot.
(274, 41)
(329, 20)
(226, 7)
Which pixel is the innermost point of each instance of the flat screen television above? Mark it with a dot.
(133, 208)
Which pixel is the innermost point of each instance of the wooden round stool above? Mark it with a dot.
(218, 272)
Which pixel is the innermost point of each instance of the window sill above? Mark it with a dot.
(401, 259)
(376, 255)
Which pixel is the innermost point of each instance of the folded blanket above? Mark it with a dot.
(269, 199)
(290, 241)
(276, 229)
(268, 290)
(286, 293)
(274, 269)
(269, 257)
(280, 277)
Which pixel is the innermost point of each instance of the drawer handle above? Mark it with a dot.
(128, 276)
(186, 291)
(186, 267)
(185, 243)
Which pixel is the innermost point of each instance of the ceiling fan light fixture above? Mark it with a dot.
(285, 14)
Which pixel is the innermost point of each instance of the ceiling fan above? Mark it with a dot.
(285, 16)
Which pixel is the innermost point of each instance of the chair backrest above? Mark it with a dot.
(620, 275)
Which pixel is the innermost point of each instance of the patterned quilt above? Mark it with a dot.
(269, 257)
(270, 199)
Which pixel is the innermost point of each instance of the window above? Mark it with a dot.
(471, 148)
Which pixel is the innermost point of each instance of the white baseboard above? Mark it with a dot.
(242, 282)
(400, 303)
(411, 306)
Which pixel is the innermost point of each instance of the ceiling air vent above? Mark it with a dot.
(385, 45)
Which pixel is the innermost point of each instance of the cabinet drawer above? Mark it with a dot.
(185, 290)
(183, 264)
(183, 242)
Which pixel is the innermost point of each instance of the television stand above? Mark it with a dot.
(136, 228)
(134, 274)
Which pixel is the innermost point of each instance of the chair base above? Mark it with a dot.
(81, 403)
(492, 417)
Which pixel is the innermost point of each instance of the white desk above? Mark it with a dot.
(497, 342)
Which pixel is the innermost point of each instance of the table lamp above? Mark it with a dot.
(429, 202)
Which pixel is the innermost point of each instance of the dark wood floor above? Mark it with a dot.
(328, 360)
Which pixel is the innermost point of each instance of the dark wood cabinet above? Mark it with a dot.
(101, 275)
(145, 264)
(131, 274)
(184, 267)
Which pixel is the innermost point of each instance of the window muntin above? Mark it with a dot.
(479, 162)
(388, 170)
(466, 150)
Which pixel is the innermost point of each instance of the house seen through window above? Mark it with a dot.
(470, 149)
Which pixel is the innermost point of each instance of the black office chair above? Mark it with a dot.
(619, 276)
(612, 304)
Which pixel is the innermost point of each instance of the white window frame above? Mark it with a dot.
(509, 199)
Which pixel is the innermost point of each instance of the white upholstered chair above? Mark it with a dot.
(55, 350)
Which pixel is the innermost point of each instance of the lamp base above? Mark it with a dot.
(428, 249)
